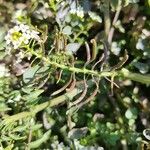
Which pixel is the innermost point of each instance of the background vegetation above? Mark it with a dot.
(74, 74)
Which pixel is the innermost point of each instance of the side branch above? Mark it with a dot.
(51, 103)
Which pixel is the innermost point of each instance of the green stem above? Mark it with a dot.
(145, 79)
(70, 68)
(107, 21)
(112, 29)
(40, 107)
(124, 72)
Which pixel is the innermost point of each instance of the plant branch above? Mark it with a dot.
(71, 68)
(145, 79)
(124, 72)
(107, 22)
(51, 103)
(112, 29)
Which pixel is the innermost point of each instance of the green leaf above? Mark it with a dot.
(142, 67)
(20, 128)
(9, 147)
(29, 74)
(17, 137)
(72, 47)
(36, 127)
(67, 30)
(3, 107)
(33, 96)
(112, 138)
(131, 113)
(37, 143)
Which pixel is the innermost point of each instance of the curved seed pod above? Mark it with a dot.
(88, 54)
(106, 53)
(121, 63)
(110, 80)
(73, 84)
(59, 77)
(100, 59)
(94, 49)
(82, 95)
(45, 80)
(112, 84)
(63, 88)
(85, 84)
(92, 96)
(46, 124)
(64, 42)
(56, 43)
(60, 42)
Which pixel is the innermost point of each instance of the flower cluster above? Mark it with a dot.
(19, 35)
(77, 11)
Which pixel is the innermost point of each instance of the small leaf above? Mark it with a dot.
(37, 143)
(20, 128)
(36, 127)
(131, 113)
(30, 73)
(17, 137)
(142, 67)
(33, 97)
(67, 30)
(72, 47)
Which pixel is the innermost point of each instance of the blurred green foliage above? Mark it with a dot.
(80, 47)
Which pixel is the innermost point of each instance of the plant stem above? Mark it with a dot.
(107, 22)
(70, 68)
(51, 103)
(145, 79)
(112, 29)
(124, 72)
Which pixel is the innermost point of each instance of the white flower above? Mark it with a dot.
(79, 12)
(20, 34)
(34, 35)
